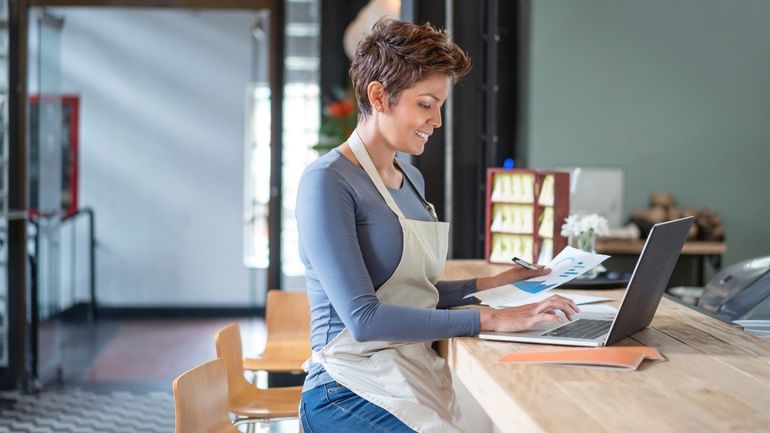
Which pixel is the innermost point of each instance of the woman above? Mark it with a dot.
(374, 251)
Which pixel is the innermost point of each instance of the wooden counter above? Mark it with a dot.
(716, 379)
(634, 247)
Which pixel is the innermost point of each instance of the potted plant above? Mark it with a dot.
(338, 120)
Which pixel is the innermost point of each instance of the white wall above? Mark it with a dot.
(676, 92)
(162, 121)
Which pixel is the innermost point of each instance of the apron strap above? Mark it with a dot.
(428, 205)
(357, 146)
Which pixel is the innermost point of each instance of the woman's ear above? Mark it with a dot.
(377, 96)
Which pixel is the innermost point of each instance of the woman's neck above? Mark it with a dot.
(381, 154)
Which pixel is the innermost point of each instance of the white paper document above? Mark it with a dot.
(566, 266)
(577, 299)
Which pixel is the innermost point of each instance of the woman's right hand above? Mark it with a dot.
(526, 316)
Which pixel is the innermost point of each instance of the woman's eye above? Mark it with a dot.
(424, 106)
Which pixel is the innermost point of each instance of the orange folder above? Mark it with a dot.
(622, 357)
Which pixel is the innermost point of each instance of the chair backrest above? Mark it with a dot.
(228, 343)
(288, 316)
(200, 398)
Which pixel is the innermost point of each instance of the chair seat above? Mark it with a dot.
(287, 317)
(273, 365)
(266, 403)
(280, 358)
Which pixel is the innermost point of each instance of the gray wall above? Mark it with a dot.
(676, 92)
(163, 109)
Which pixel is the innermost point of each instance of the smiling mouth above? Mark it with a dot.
(423, 135)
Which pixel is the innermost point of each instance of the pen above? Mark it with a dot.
(524, 263)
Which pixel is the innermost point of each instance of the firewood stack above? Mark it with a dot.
(708, 224)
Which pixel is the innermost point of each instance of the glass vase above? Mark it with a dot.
(584, 242)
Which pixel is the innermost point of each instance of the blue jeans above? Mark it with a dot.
(333, 408)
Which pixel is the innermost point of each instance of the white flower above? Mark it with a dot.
(570, 227)
(577, 226)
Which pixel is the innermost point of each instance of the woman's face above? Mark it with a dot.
(409, 123)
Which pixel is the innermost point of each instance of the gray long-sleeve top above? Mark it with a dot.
(351, 243)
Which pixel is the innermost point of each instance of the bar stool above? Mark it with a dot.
(200, 399)
(288, 334)
(249, 403)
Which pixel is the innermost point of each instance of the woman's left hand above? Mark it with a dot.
(515, 273)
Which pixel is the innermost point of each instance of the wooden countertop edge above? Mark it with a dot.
(634, 246)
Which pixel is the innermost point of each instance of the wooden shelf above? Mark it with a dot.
(511, 232)
(543, 220)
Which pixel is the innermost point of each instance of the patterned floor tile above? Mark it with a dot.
(81, 411)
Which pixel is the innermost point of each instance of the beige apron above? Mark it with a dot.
(409, 380)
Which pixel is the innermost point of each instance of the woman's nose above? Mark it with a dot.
(435, 120)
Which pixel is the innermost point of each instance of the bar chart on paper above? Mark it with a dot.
(574, 267)
(567, 268)
(534, 286)
(567, 265)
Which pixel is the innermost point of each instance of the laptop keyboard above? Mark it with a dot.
(587, 329)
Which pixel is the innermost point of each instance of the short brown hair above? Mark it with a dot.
(398, 54)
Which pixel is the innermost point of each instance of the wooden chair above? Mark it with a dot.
(200, 398)
(248, 402)
(288, 334)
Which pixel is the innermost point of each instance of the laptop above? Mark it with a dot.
(640, 301)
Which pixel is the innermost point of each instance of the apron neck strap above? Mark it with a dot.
(428, 205)
(357, 146)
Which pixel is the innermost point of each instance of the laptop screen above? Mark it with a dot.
(650, 278)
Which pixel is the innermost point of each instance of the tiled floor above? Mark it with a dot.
(80, 411)
(118, 373)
